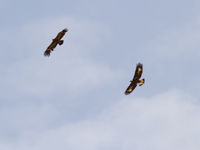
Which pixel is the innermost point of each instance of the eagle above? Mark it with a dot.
(136, 79)
(55, 41)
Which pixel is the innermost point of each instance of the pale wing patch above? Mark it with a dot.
(130, 89)
(139, 70)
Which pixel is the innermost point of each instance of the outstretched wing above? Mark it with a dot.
(61, 34)
(50, 48)
(131, 87)
(138, 72)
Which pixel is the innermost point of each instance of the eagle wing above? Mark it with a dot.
(50, 48)
(138, 72)
(135, 81)
(131, 87)
(61, 34)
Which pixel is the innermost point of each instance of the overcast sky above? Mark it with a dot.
(75, 99)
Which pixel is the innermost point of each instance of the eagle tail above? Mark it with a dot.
(61, 42)
(47, 52)
(141, 82)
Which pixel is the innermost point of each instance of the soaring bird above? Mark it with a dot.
(55, 41)
(136, 79)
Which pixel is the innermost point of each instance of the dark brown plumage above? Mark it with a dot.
(55, 41)
(136, 79)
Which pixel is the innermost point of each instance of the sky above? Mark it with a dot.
(75, 99)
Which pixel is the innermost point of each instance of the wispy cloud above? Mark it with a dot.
(70, 66)
(166, 121)
(35, 88)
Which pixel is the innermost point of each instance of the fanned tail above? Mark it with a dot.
(61, 42)
(141, 82)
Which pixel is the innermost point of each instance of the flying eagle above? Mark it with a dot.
(136, 79)
(55, 41)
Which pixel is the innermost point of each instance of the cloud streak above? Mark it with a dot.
(166, 121)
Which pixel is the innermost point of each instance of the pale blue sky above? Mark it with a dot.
(74, 99)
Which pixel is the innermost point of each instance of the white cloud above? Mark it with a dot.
(38, 76)
(166, 121)
(69, 67)
(35, 88)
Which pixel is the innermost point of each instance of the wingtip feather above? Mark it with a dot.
(47, 52)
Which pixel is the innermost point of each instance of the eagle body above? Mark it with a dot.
(57, 40)
(136, 79)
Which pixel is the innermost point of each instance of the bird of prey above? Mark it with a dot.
(136, 79)
(55, 41)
